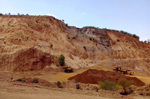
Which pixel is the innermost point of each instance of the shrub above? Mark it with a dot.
(118, 40)
(73, 37)
(35, 80)
(84, 47)
(77, 86)
(108, 85)
(19, 79)
(91, 27)
(91, 38)
(57, 64)
(64, 83)
(135, 36)
(61, 60)
(125, 83)
(58, 83)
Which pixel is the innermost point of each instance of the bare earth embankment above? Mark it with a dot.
(14, 91)
(30, 46)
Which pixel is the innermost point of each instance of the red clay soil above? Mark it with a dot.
(93, 76)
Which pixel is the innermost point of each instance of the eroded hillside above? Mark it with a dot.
(34, 42)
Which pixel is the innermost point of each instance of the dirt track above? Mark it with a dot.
(17, 90)
(11, 91)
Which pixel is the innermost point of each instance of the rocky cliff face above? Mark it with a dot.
(33, 42)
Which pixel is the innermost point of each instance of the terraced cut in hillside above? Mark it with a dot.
(34, 42)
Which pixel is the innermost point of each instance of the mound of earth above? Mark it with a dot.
(93, 76)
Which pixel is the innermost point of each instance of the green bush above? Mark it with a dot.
(108, 85)
(35, 80)
(92, 27)
(61, 60)
(125, 83)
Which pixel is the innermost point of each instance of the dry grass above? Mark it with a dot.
(145, 79)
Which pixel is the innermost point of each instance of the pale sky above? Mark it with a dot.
(132, 16)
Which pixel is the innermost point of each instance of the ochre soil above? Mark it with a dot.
(93, 76)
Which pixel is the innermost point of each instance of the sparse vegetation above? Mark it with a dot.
(35, 80)
(66, 24)
(147, 41)
(19, 79)
(73, 37)
(124, 32)
(91, 38)
(92, 27)
(59, 85)
(118, 40)
(108, 85)
(125, 84)
(133, 35)
(77, 86)
(84, 47)
(145, 91)
(61, 60)
(64, 83)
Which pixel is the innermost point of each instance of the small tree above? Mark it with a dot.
(61, 60)
(125, 84)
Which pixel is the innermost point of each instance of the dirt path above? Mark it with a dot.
(11, 91)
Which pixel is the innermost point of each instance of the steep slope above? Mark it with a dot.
(33, 42)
